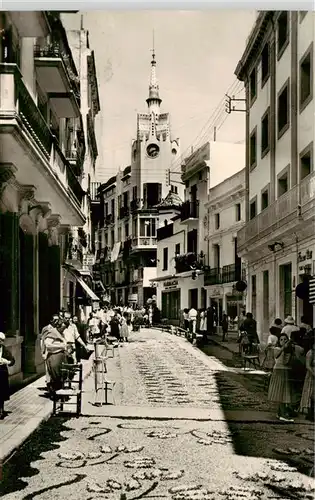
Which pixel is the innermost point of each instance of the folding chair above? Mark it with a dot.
(72, 381)
(101, 383)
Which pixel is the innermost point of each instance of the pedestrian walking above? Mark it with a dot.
(210, 319)
(53, 322)
(186, 319)
(203, 325)
(225, 327)
(124, 330)
(192, 322)
(280, 389)
(307, 399)
(289, 326)
(6, 359)
(297, 373)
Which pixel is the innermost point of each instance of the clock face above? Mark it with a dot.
(153, 150)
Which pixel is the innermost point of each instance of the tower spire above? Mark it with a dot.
(153, 100)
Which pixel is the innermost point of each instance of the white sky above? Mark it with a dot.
(196, 52)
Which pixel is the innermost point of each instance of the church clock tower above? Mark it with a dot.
(154, 151)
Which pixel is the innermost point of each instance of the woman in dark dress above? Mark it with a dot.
(6, 359)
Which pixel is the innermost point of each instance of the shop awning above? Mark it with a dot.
(80, 280)
(115, 252)
(88, 290)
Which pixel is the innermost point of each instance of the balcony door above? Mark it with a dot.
(193, 298)
(193, 193)
(192, 241)
(217, 256)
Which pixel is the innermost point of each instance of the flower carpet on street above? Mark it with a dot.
(100, 459)
(158, 371)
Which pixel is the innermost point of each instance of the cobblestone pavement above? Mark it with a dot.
(94, 458)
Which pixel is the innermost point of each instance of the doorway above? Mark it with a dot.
(193, 298)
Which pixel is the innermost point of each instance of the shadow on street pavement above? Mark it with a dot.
(46, 438)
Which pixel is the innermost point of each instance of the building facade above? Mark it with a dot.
(189, 272)
(278, 239)
(129, 219)
(225, 217)
(41, 196)
(78, 285)
(181, 242)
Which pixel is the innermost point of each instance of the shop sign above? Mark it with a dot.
(168, 285)
(308, 255)
(88, 260)
(216, 292)
(133, 297)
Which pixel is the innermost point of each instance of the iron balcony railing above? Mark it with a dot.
(230, 273)
(189, 210)
(218, 275)
(212, 276)
(33, 119)
(283, 210)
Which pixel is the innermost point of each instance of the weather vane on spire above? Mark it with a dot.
(153, 48)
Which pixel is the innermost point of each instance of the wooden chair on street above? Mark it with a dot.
(101, 383)
(71, 392)
(252, 358)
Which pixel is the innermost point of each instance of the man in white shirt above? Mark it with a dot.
(72, 336)
(193, 320)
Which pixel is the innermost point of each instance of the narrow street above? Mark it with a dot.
(175, 431)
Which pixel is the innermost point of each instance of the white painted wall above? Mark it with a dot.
(225, 196)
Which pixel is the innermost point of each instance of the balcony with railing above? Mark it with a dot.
(91, 133)
(75, 154)
(231, 273)
(56, 71)
(187, 262)
(18, 108)
(165, 232)
(212, 276)
(189, 211)
(281, 212)
(143, 243)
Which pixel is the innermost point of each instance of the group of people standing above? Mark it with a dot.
(289, 357)
(119, 321)
(60, 343)
(201, 321)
